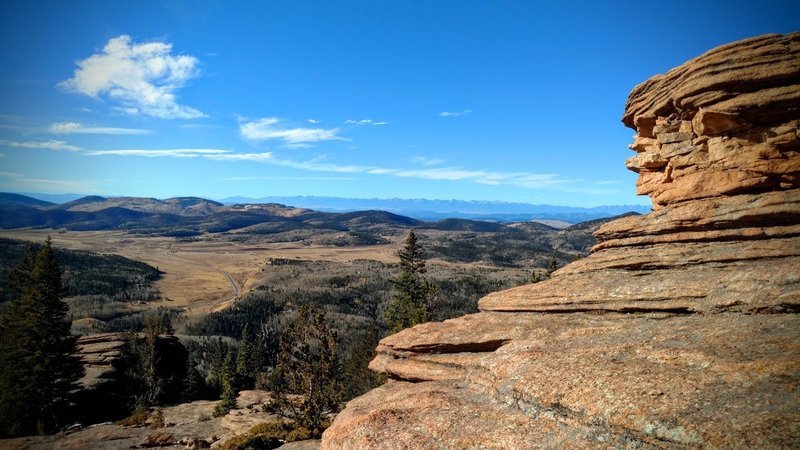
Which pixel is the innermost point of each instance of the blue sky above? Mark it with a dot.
(493, 100)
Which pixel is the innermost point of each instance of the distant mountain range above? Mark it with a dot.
(194, 214)
(453, 239)
(425, 209)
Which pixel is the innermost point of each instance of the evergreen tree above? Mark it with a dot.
(413, 294)
(40, 369)
(147, 381)
(552, 263)
(159, 322)
(193, 382)
(358, 379)
(218, 354)
(305, 384)
(244, 358)
(228, 396)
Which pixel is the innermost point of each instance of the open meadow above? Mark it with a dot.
(200, 275)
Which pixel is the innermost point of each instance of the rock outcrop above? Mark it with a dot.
(100, 354)
(105, 385)
(188, 425)
(679, 330)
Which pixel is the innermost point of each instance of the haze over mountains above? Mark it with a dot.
(421, 209)
(501, 243)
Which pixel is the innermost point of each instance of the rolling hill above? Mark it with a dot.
(457, 240)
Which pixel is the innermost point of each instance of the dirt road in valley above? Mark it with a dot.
(204, 275)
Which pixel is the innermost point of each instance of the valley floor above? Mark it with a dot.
(204, 275)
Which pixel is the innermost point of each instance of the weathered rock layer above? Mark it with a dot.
(681, 329)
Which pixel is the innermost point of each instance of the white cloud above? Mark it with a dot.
(77, 128)
(11, 175)
(455, 113)
(314, 121)
(364, 122)
(15, 122)
(178, 153)
(425, 161)
(256, 157)
(142, 77)
(289, 178)
(51, 144)
(519, 179)
(208, 153)
(269, 128)
(20, 183)
(126, 111)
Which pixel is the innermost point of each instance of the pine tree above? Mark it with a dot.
(193, 382)
(358, 379)
(244, 358)
(37, 350)
(228, 396)
(306, 384)
(159, 322)
(413, 294)
(552, 263)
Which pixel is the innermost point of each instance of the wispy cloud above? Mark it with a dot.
(454, 113)
(270, 128)
(255, 157)
(200, 126)
(208, 153)
(364, 122)
(425, 161)
(177, 153)
(289, 178)
(314, 121)
(520, 179)
(24, 124)
(51, 144)
(18, 181)
(77, 128)
(143, 77)
(48, 185)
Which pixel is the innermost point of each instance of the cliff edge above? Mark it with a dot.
(679, 330)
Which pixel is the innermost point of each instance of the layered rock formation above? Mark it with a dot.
(105, 385)
(680, 330)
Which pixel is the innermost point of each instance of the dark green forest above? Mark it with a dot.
(110, 291)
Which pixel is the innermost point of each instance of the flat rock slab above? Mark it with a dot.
(583, 380)
(436, 415)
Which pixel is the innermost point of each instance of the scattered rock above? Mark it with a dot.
(195, 443)
(192, 422)
(313, 444)
(159, 440)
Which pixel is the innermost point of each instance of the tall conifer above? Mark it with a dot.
(40, 369)
(413, 294)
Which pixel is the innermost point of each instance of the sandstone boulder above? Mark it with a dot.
(679, 330)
